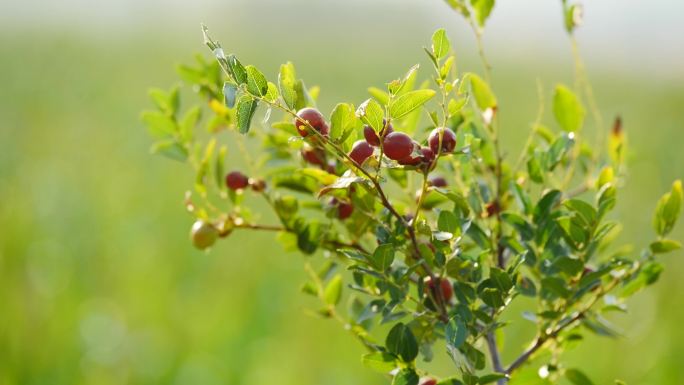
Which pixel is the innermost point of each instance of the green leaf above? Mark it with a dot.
(460, 7)
(286, 83)
(501, 279)
(577, 377)
(447, 221)
(383, 256)
(492, 297)
(546, 204)
(286, 207)
(519, 223)
(648, 275)
(237, 70)
(484, 97)
(573, 16)
(456, 105)
(203, 169)
(371, 113)
(170, 149)
(159, 125)
(400, 341)
(534, 167)
(406, 376)
(450, 381)
(664, 246)
(342, 120)
(440, 43)
(409, 101)
(256, 81)
(380, 95)
(606, 199)
(340, 183)
(245, 111)
(189, 122)
(167, 103)
(482, 9)
(304, 99)
(395, 86)
(667, 210)
(219, 171)
(382, 362)
(584, 210)
(556, 286)
(567, 109)
(568, 265)
(489, 378)
(557, 151)
(272, 93)
(333, 291)
(456, 332)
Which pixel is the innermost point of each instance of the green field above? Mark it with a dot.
(100, 285)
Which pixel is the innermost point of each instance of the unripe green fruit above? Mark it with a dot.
(203, 234)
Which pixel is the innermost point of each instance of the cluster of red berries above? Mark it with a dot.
(401, 148)
(397, 146)
(236, 180)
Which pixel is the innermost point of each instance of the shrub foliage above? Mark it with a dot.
(416, 212)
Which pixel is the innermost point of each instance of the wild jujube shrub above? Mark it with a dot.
(421, 223)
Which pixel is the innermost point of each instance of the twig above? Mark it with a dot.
(496, 359)
(544, 337)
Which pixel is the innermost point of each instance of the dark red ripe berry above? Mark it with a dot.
(314, 118)
(427, 154)
(361, 151)
(438, 181)
(344, 210)
(428, 381)
(236, 180)
(312, 155)
(444, 286)
(372, 137)
(411, 160)
(492, 209)
(448, 140)
(397, 146)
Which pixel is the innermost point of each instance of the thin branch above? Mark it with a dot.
(543, 338)
(494, 353)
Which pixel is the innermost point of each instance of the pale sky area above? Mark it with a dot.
(615, 31)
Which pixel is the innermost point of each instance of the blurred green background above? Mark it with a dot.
(98, 282)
